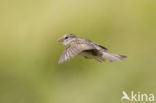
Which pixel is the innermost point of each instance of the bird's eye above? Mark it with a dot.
(66, 37)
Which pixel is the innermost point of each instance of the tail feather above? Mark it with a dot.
(112, 57)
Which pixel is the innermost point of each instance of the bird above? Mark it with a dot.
(85, 48)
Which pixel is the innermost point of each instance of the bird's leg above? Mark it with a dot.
(98, 59)
(101, 58)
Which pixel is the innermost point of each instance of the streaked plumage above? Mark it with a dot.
(86, 48)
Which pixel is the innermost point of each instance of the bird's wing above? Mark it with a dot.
(74, 48)
(102, 47)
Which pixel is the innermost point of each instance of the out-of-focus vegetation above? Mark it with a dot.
(29, 50)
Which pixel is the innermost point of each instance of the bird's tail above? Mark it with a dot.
(112, 57)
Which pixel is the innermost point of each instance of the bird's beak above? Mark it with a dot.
(61, 40)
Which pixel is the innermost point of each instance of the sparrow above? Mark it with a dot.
(86, 48)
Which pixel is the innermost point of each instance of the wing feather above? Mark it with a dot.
(75, 48)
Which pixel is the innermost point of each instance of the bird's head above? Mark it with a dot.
(67, 38)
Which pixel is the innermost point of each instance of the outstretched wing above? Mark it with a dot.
(74, 48)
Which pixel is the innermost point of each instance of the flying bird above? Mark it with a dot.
(86, 48)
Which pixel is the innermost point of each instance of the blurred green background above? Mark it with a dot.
(29, 50)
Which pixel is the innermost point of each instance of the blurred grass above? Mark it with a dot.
(29, 50)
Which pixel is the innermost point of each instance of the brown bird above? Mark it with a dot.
(86, 48)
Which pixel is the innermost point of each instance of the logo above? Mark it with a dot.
(140, 97)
